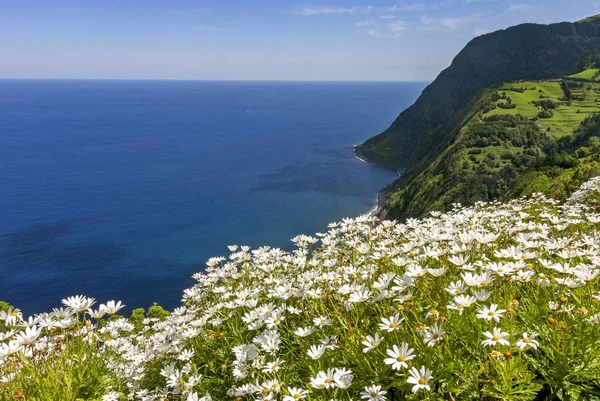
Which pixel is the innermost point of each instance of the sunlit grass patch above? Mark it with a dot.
(586, 74)
(567, 116)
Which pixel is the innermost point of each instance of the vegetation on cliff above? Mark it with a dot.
(523, 52)
(513, 72)
(498, 301)
(520, 138)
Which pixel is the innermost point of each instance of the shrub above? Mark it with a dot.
(546, 104)
(506, 105)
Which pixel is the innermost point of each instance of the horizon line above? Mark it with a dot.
(209, 80)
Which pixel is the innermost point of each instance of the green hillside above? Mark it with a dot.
(524, 52)
(521, 137)
(487, 121)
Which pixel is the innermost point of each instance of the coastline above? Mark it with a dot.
(377, 210)
(381, 201)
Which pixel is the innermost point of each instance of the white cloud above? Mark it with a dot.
(388, 17)
(396, 26)
(518, 7)
(428, 20)
(373, 32)
(376, 33)
(368, 22)
(333, 10)
(407, 7)
(449, 22)
(453, 23)
(389, 30)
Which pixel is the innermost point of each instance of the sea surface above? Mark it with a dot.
(123, 189)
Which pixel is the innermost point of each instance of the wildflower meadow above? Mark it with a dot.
(498, 301)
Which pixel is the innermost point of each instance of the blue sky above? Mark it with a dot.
(254, 39)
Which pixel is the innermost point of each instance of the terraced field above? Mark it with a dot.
(588, 74)
(566, 117)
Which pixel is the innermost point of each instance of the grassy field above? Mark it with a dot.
(587, 74)
(566, 117)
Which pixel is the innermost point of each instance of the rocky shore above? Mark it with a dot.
(379, 210)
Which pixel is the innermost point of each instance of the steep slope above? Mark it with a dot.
(528, 51)
(501, 157)
(518, 138)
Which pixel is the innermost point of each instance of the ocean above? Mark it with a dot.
(123, 189)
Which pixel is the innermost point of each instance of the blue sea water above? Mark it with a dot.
(123, 189)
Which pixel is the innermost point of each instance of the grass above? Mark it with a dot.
(566, 117)
(586, 74)
(76, 373)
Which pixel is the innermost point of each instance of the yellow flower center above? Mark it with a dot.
(328, 380)
(392, 325)
(296, 396)
(458, 291)
(495, 338)
(459, 307)
(527, 340)
(422, 381)
(491, 313)
(373, 395)
(483, 282)
(400, 358)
